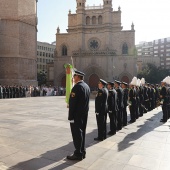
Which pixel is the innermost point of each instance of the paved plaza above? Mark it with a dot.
(35, 135)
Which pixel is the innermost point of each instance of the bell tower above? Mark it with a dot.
(18, 42)
(107, 3)
(80, 12)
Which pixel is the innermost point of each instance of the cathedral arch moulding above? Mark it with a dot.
(94, 69)
(125, 76)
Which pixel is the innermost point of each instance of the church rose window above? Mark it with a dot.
(94, 44)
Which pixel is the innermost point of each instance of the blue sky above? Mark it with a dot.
(150, 17)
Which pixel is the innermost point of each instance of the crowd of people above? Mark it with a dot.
(16, 91)
(113, 99)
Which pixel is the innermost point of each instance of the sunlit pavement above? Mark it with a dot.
(35, 134)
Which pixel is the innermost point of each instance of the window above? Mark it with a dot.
(43, 53)
(37, 52)
(124, 49)
(100, 20)
(168, 50)
(168, 45)
(168, 54)
(93, 20)
(156, 41)
(156, 55)
(40, 53)
(162, 46)
(162, 55)
(167, 59)
(156, 51)
(64, 50)
(156, 47)
(139, 49)
(88, 20)
(168, 39)
(162, 40)
(162, 50)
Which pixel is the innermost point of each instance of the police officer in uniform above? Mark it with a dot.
(119, 103)
(112, 108)
(125, 102)
(163, 98)
(132, 103)
(101, 109)
(78, 114)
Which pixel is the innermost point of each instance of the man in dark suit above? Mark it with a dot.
(101, 109)
(78, 113)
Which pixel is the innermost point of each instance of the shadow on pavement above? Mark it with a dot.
(149, 125)
(55, 159)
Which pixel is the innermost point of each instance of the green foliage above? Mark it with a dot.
(41, 78)
(153, 74)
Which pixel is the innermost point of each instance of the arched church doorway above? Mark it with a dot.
(93, 81)
(125, 79)
(63, 81)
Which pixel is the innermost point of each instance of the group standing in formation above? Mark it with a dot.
(7, 92)
(112, 100)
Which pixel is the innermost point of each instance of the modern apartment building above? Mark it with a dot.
(159, 48)
(45, 55)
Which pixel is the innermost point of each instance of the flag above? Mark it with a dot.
(69, 83)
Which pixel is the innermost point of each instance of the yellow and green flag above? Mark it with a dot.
(69, 83)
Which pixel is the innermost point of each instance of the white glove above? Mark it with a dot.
(71, 121)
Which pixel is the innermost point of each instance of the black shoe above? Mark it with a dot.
(74, 157)
(163, 120)
(131, 121)
(98, 139)
(111, 133)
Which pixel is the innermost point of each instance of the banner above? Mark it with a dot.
(69, 83)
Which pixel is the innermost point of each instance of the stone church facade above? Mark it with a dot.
(97, 44)
(18, 39)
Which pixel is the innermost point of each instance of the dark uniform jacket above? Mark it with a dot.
(163, 94)
(101, 106)
(79, 100)
(132, 96)
(125, 97)
(112, 101)
(119, 97)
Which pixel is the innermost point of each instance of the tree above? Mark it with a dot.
(41, 78)
(153, 74)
